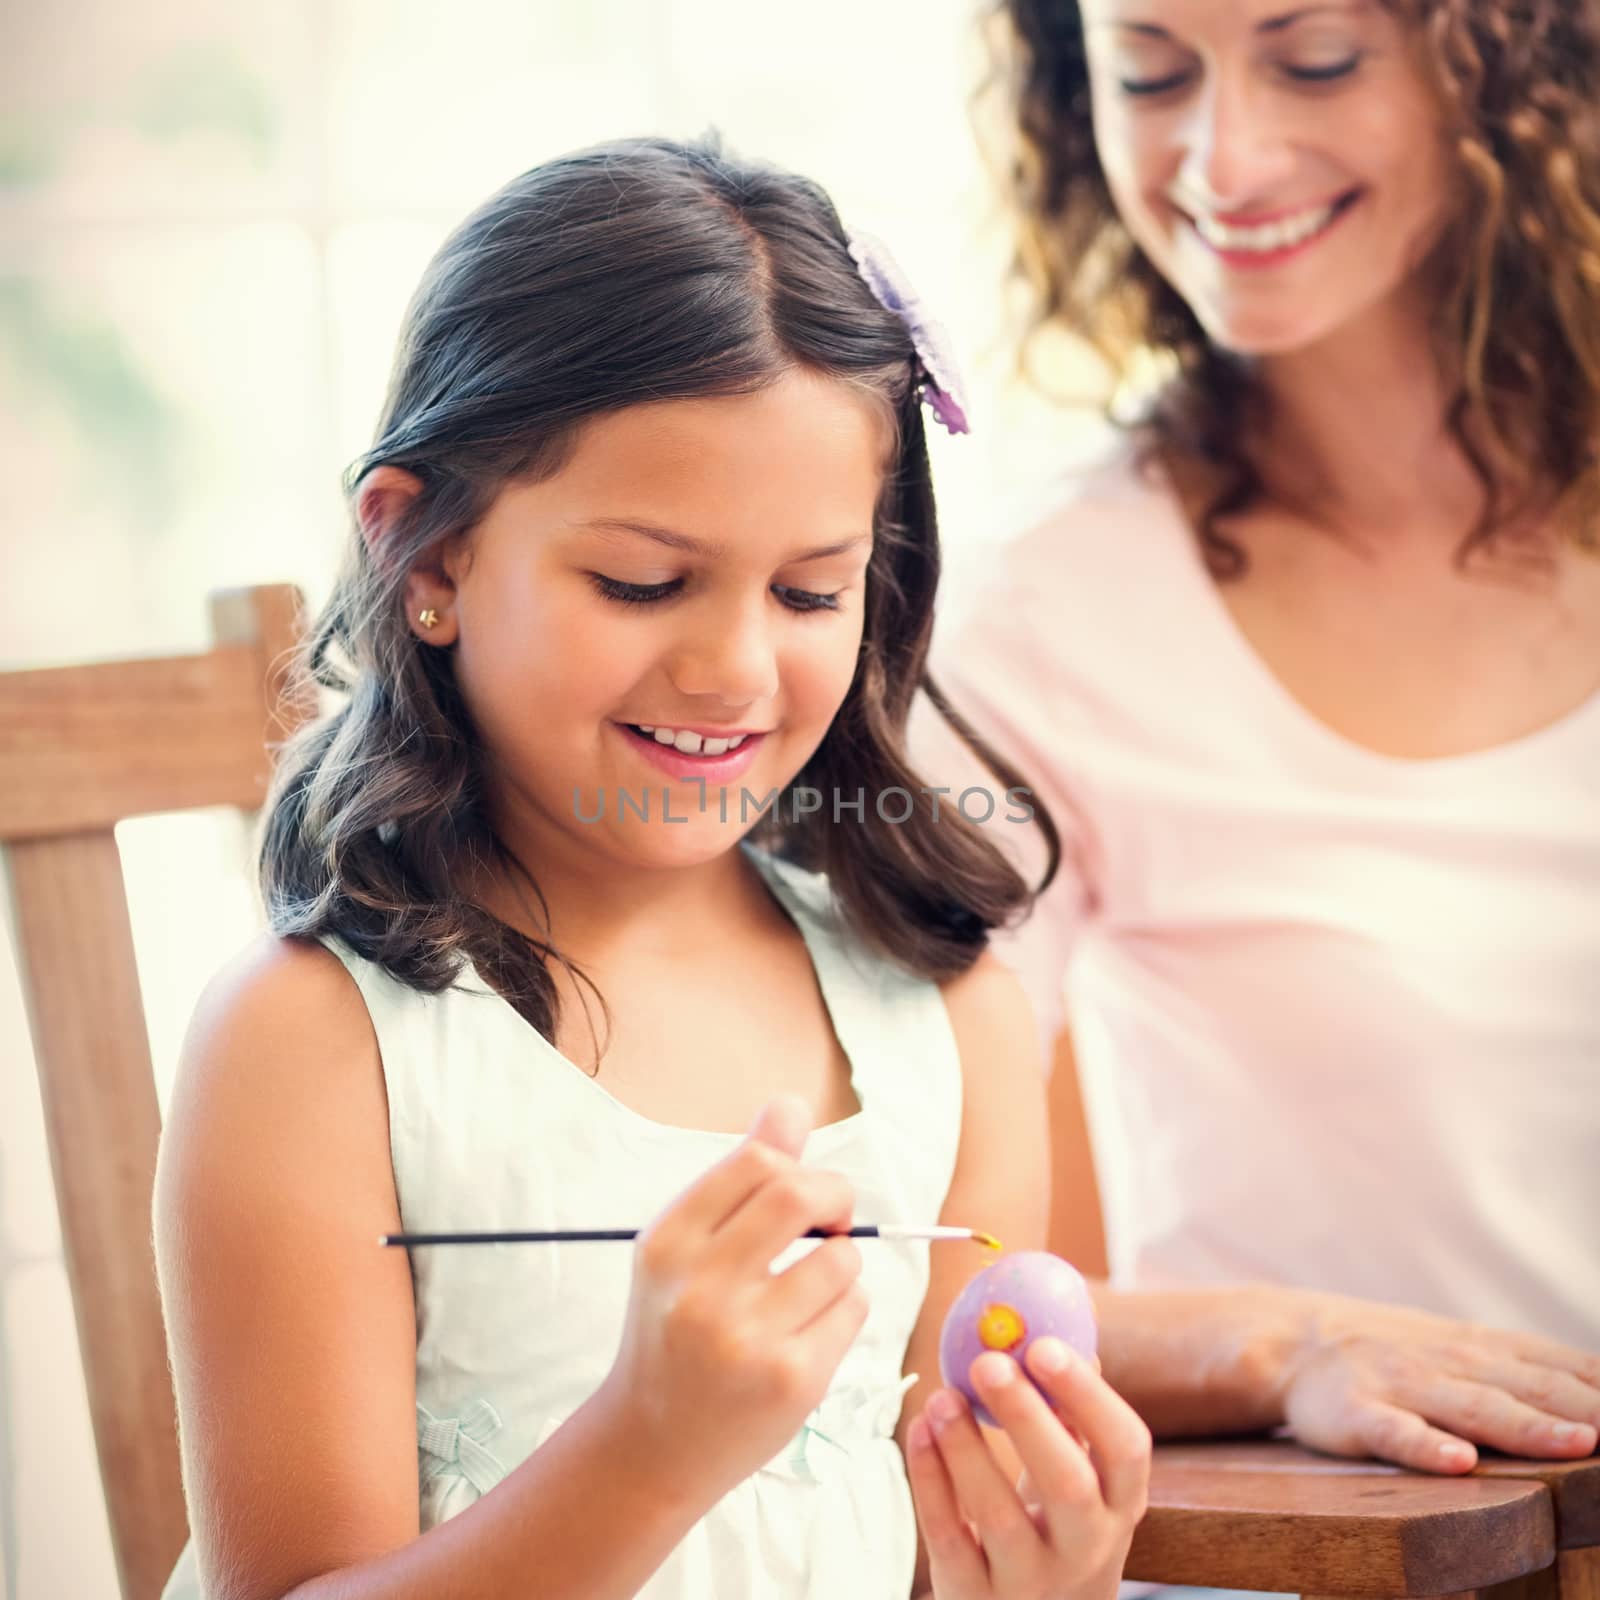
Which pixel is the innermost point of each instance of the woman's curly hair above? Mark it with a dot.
(1517, 268)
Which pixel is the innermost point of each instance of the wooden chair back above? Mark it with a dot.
(82, 748)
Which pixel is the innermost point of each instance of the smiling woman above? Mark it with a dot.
(1308, 668)
(1410, 171)
(1244, 141)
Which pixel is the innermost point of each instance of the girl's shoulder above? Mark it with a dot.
(992, 1019)
(280, 1034)
(285, 987)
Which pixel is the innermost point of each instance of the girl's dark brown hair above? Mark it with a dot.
(1517, 270)
(637, 271)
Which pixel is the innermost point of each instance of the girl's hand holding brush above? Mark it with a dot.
(721, 1359)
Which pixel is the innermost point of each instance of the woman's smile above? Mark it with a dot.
(1269, 239)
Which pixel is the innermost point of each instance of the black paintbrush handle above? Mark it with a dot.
(571, 1236)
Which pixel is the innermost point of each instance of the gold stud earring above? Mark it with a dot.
(428, 618)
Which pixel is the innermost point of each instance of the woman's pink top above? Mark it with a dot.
(1337, 1015)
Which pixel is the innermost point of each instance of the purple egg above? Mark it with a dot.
(1020, 1298)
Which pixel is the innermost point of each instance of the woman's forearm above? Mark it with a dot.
(583, 1518)
(1198, 1361)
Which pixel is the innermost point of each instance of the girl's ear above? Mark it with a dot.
(382, 498)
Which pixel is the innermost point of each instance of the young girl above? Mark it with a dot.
(607, 882)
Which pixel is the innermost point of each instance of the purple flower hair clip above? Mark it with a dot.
(941, 384)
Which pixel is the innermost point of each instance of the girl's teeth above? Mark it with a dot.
(1269, 235)
(692, 744)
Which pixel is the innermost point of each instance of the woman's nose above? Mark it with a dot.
(1237, 156)
(729, 655)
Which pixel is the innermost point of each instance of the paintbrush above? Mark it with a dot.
(887, 1230)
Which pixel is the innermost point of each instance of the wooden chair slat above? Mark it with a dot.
(81, 748)
(84, 747)
(102, 1122)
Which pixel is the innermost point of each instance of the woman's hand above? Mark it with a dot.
(1414, 1388)
(1062, 1532)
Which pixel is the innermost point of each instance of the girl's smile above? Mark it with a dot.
(689, 754)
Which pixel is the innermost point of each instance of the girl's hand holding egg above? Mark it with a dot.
(1028, 1295)
(1062, 1532)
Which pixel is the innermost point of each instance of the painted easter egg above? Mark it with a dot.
(1022, 1297)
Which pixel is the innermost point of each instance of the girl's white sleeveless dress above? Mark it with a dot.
(491, 1128)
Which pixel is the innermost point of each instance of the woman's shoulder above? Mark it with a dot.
(1098, 522)
(1099, 585)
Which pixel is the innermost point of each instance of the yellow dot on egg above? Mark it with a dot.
(1001, 1327)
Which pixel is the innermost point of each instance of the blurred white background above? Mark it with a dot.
(210, 219)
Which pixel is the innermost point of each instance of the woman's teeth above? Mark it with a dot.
(1267, 236)
(692, 744)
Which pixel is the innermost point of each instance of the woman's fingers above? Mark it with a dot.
(1423, 1391)
(1392, 1433)
(1490, 1413)
(1011, 1541)
(956, 1563)
(1117, 1436)
(1584, 1365)
(1562, 1394)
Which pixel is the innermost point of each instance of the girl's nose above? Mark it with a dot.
(728, 655)
(1237, 155)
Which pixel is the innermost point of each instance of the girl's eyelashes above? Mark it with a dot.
(642, 594)
(805, 599)
(634, 594)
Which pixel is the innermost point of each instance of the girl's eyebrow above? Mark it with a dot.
(699, 547)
